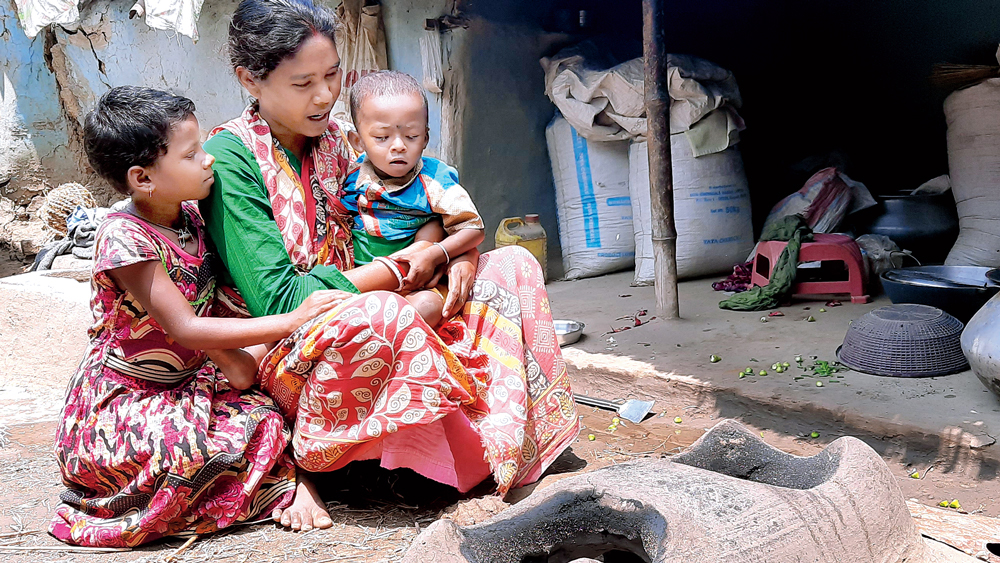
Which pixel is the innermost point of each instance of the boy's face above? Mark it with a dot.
(185, 171)
(393, 132)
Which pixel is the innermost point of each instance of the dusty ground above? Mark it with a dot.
(377, 514)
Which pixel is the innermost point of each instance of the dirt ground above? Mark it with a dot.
(377, 514)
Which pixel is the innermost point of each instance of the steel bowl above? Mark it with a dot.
(568, 332)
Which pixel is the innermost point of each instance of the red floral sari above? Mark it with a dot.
(489, 394)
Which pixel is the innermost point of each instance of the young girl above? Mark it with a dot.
(158, 437)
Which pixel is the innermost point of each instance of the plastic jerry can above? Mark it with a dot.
(526, 232)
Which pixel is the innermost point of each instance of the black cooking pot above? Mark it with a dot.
(926, 225)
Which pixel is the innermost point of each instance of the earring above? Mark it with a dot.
(149, 193)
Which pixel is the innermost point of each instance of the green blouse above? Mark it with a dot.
(239, 221)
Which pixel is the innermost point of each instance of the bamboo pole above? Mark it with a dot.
(661, 182)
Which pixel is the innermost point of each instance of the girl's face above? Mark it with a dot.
(296, 97)
(183, 173)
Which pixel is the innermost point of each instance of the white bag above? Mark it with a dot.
(361, 46)
(592, 197)
(973, 118)
(711, 210)
(432, 61)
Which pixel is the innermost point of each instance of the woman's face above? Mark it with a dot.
(296, 97)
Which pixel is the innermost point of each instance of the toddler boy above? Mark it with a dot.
(396, 190)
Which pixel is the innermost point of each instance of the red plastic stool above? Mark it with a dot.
(825, 248)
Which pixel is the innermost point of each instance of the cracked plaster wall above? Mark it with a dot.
(58, 76)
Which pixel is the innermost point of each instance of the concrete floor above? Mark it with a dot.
(954, 417)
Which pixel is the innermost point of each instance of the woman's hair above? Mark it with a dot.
(383, 83)
(130, 126)
(265, 32)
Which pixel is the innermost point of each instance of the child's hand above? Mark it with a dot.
(422, 264)
(315, 305)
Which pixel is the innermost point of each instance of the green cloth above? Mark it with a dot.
(240, 223)
(367, 247)
(793, 229)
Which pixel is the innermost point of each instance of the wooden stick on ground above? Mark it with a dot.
(17, 534)
(173, 556)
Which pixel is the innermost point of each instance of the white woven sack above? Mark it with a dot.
(592, 197)
(973, 118)
(711, 210)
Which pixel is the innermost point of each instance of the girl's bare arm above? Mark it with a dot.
(155, 291)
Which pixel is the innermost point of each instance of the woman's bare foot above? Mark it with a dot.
(307, 510)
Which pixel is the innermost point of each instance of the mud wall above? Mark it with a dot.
(53, 80)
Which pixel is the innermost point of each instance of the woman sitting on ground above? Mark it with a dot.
(487, 394)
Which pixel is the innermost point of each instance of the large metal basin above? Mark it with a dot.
(957, 290)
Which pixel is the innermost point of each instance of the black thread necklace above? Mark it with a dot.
(183, 234)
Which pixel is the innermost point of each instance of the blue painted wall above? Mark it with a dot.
(38, 105)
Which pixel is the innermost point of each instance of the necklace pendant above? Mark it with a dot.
(183, 238)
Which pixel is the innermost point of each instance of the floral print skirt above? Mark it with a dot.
(141, 461)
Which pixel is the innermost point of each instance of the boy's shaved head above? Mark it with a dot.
(383, 83)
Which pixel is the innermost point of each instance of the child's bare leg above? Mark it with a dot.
(307, 510)
(429, 304)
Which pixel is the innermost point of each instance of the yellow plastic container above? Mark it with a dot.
(526, 232)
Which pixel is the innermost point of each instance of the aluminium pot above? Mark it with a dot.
(981, 344)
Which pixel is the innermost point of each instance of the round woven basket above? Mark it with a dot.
(61, 201)
(905, 340)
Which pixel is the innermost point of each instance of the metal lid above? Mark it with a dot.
(906, 340)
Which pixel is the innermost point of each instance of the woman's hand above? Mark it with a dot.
(461, 276)
(316, 304)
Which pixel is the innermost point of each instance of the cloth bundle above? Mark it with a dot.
(795, 230)
(81, 228)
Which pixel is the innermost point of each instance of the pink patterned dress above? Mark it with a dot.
(152, 441)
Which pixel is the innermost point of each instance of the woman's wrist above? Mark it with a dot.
(445, 258)
(393, 268)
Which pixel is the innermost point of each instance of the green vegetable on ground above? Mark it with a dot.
(814, 435)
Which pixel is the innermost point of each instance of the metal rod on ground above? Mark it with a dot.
(661, 181)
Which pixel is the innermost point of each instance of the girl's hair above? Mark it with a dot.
(130, 126)
(265, 32)
(383, 83)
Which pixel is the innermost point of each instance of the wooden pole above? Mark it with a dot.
(661, 181)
